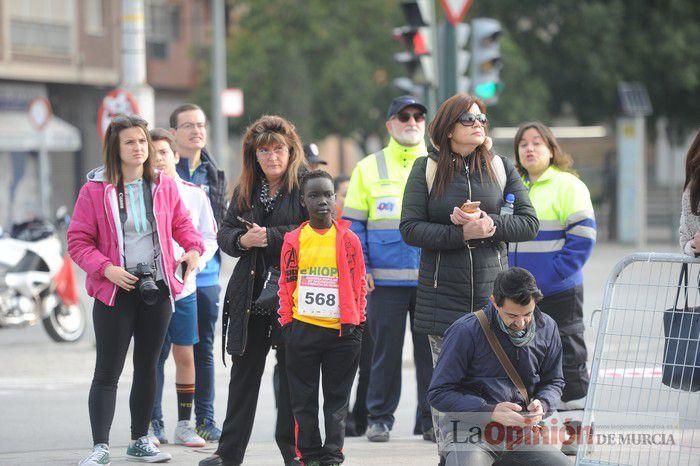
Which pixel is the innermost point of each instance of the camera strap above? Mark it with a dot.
(148, 204)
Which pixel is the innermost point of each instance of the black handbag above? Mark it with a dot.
(268, 302)
(681, 364)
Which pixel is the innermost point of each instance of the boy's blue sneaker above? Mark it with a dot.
(143, 450)
(208, 431)
(156, 432)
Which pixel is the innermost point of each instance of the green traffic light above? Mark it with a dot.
(487, 90)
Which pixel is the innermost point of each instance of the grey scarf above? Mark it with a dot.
(518, 337)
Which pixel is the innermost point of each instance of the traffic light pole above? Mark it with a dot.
(448, 68)
(432, 96)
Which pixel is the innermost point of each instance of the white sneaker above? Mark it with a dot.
(143, 450)
(153, 439)
(185, 435)
(572, 405)
(98, 457)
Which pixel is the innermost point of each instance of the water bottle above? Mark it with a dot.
(509, 207)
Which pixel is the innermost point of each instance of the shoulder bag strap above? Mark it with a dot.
(501, 355)
(683, 282)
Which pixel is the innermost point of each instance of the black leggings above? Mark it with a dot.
(566, 308)
(114, 327)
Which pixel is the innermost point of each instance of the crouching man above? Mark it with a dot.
(505, 397)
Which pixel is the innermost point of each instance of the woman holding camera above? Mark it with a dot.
(121, 233)
(265, 205)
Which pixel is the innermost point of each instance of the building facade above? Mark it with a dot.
(69, 52)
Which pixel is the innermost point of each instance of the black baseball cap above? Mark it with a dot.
(311, 154)
(402, 102)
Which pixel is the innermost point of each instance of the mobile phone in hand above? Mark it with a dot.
(470, 207)
(180, 272)
(244, 222)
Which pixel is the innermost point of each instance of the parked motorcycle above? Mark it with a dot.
(37, 280)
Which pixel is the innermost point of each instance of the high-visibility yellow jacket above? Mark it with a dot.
(567, 232)
(373, 205)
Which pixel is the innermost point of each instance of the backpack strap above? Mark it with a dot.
(499, 170)
(430, 170)
(501, 355)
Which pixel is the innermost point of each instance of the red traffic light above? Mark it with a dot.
(414, 40)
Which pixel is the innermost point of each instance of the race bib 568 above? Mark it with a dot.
(318, 296)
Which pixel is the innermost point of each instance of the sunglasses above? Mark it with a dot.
(469, 119)
(403, 117)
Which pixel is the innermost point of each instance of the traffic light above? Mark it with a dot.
(462, 57)
(416, 38)
(486, 59)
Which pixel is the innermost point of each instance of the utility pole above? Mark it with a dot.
(133, 75)
(219, 123)
(631, 163)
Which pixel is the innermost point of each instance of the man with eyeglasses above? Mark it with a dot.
(188, 124)
(373, 204)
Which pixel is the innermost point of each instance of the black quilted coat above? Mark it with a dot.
(248, 277)
(456, 278)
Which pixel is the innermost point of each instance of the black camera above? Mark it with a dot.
(147, 282)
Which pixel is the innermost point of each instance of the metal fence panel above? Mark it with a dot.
(626, 374)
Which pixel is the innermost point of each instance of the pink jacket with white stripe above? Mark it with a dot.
(95, 238)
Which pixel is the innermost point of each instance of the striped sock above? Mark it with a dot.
(185, 399)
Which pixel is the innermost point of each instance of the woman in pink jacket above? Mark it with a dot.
(121, 233)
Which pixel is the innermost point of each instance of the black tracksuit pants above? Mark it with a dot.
(312, 350)
(243, 389)
(114, 327)
(359, 412)
(566, 308)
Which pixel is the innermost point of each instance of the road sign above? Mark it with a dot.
(232, 102)
(115, 102)
(39, 112)
(456, 9)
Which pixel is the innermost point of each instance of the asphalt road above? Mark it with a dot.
(44, 390)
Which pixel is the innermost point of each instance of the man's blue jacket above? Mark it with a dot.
(468, 376)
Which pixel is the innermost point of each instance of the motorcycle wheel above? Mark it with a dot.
(65, 324)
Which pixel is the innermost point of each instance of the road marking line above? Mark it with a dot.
(634, 372)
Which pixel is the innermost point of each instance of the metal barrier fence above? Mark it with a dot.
(628, 367)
